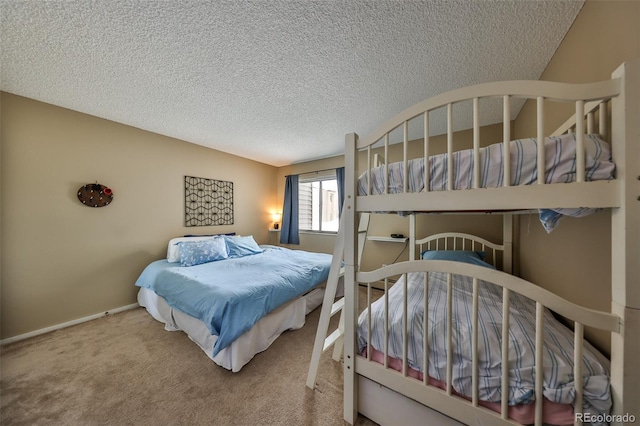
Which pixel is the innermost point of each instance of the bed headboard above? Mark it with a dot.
(462, 241)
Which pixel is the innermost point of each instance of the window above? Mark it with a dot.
(318, 204)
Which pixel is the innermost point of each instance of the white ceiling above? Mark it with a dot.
(279, 81)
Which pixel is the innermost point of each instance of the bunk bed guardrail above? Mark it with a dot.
(621, 193)
(590, 99)
(463, 410)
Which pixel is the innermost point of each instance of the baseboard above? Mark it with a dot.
(65, 324)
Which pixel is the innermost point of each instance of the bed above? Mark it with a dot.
(231, 296)
(386, 314)
(604, 133)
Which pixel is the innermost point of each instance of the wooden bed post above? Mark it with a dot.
(625, 243)
(350, 287)
(412, 236)
(507, 241)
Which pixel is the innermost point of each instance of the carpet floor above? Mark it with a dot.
(125, 369)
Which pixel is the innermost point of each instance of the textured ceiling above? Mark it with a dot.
(277, 81)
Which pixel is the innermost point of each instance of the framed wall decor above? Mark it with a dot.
(207, 202)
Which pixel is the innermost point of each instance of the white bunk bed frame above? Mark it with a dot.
(622, 195)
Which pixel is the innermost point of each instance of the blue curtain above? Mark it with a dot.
(290, 231)
(340, 180)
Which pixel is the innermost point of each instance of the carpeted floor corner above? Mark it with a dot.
(125, 369)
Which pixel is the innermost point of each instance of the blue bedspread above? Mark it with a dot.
(231, 295)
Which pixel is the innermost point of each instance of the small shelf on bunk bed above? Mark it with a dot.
(387, 239)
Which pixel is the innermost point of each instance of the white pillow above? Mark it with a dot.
(194, 253)
(173, 249)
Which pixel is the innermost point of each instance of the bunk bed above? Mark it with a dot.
(604, 111)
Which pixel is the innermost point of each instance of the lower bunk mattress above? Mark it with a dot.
(258, 338)
(558, 391)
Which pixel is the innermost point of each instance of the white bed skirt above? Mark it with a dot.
(288, 317)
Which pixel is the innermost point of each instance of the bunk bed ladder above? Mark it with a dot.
(330, 306)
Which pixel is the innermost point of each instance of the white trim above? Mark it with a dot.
(66, 324)
(374, 400)
(595, 194)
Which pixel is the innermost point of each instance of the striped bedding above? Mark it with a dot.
(558, 353)
(560, 168)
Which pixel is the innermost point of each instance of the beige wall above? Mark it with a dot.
(61, 260)
(574, 261)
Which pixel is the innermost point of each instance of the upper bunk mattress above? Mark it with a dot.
(560, 162)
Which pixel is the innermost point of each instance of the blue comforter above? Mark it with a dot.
(231, 295)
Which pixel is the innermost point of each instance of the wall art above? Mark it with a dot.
(207, 202)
